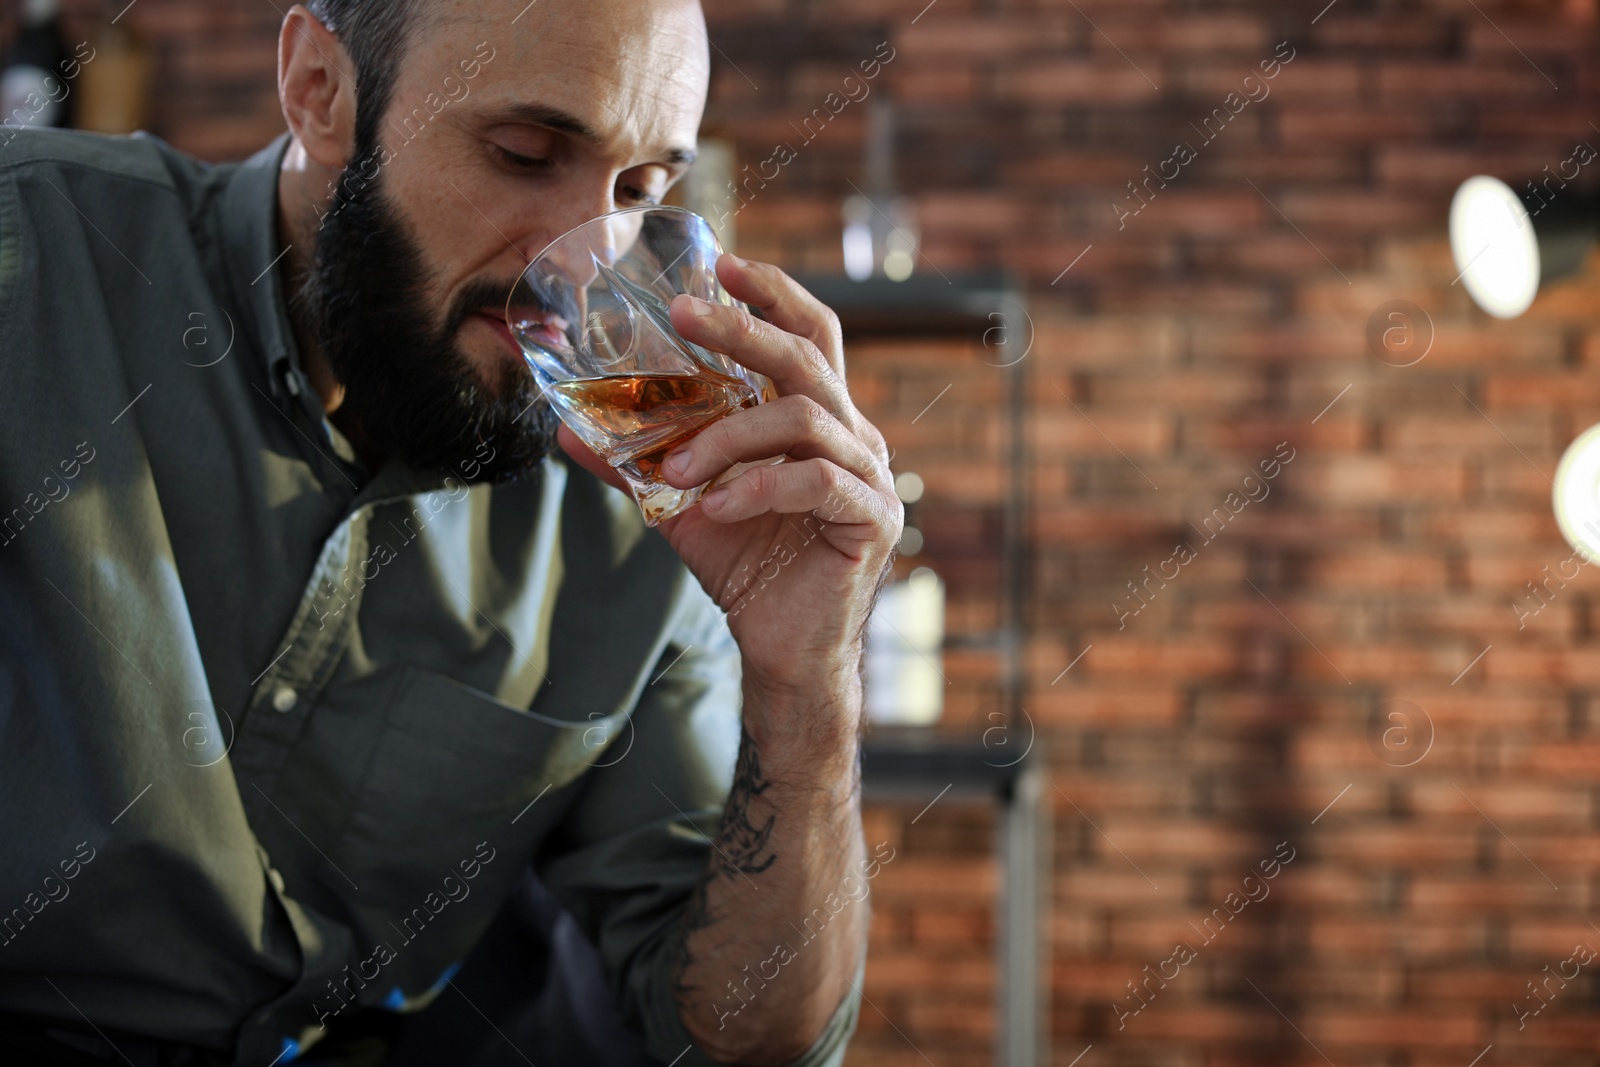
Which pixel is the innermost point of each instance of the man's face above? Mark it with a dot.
(502, 132)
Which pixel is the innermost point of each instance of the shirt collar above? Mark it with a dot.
(248, 211)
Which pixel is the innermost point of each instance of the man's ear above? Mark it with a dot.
(317, 88)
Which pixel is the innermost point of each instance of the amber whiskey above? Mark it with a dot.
(635, 420)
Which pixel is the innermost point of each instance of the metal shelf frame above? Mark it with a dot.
(913, 765)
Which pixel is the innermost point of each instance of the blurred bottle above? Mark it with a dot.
(904, 682)
(880, 228)
(32, 89)
(73, 63)
(8, 29)
(114, 84)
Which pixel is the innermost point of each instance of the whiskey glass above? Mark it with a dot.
(590, 315)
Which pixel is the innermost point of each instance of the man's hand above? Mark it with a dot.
(793, 551)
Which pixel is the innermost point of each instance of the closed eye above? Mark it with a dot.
(521, 163)
(637, 196)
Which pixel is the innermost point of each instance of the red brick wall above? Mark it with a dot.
(1222, 320)
(216, 73)
(1169, 362)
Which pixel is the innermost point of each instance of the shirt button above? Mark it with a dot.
(284, 698)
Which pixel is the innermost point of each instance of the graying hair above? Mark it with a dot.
(375, 33)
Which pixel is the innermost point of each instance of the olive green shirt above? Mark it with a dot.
(279, 734)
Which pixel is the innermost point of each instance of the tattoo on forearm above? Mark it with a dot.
(741, 845)
(739, 849)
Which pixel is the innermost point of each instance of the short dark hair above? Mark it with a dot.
(375, 33)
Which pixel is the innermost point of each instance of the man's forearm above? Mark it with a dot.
(777, 926)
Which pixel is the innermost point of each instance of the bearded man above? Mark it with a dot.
(344, 697)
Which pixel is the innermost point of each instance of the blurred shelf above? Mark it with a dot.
(906, 762)
(920, 306)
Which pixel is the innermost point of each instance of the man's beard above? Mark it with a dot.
(413, 392)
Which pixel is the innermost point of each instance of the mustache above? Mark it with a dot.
(480, 294)
(565, 303)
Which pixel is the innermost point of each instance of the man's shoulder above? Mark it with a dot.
(140, 159)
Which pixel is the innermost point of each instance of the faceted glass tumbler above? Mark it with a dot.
(590, 314)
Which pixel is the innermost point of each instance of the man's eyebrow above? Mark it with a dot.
(554, 118)
(549, 117)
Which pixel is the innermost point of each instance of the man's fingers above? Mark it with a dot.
(803, 333)
(814, 485)
(795, 426)
(795, 364)
(786, 304)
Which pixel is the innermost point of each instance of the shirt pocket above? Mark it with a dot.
(455, 764)
(458, 791)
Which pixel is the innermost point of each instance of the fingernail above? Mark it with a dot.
(736, 261)
(714, 498)
(679, 461)
(700, 307)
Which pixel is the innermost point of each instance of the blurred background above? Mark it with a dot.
(1230, 513)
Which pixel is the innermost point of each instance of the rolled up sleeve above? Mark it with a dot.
(627, 859)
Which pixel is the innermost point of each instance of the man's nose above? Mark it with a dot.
(599, 242)
(575, 244)
(577, 257)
